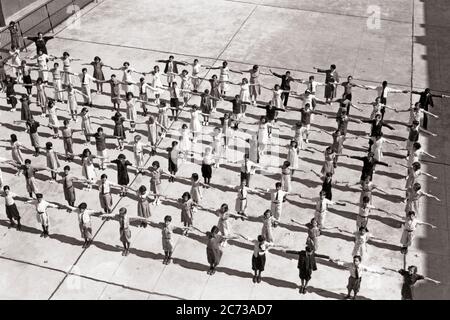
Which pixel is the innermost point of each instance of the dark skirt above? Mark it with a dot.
(330, 91)
(123, 178)
(259, 262)
(98, 74)
(172, 166)
(407, 292)
(27, 80)
(69, 194)
(354, 284)
(206, 171)
(305, 274)
(119, 131)
(12, 212)
(25, 112)
(213, 256)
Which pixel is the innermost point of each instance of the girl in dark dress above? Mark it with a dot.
(119, 129)
(173, 155)
(25, 71)
(410, 277)
(214, 92)
(306, 265)
(327, 183)
(25, 112)
(214, 248)
(122, 172)
(15, 36)
(10, 92)
(188, 208)
(98, 72)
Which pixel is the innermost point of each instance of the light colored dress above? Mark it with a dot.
(163, 118)
(138, 151)
(185, 85)
(195, 73)
(131, 110)
(185, 140)
(53, 117)
(143, 205)
(196, 125)
(187, 212)
(253, 150)
(286, 179)
(360, 247)
(263, 134)
(377, 149)
(156, 82)
(72, 100)
(127, 78)
(57, 84)
(292, 157)
(276, 99)
(16, 154)
(52, 160)
(241, 200)
(66, 78)
(152, 132)
(408, 232)
(86, 125)
(42, 66)
(267, 228)
(224, 76)
(224, 223)
(88, 170)
(41, 97)
(245, 92)
(196, 192)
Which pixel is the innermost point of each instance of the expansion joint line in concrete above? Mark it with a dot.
(87, 277)
(316, 11)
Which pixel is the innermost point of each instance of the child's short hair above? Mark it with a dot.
(278, 185)
(6, 188)
(167, 219)
(66, 168)
(142, 189)
(27, 161)
(195, 176)
(186, 195)
(155, 164)
(82, 206)
(103, 176)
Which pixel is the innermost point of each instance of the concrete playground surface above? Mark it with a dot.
(407, 46)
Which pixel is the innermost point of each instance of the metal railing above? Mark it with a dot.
(42, 19)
